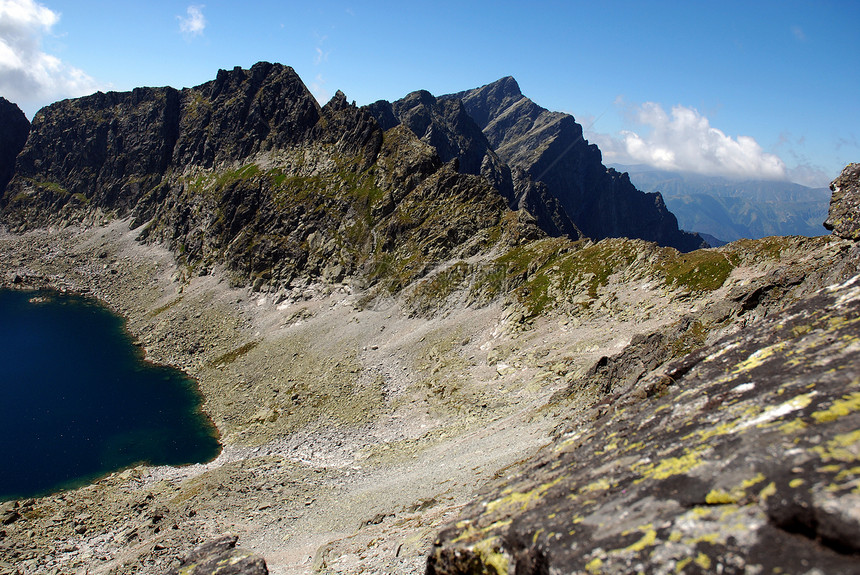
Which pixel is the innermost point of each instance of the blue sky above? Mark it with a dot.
(743, 89)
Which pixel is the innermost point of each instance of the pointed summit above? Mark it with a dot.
(485, 103)
(549, 148)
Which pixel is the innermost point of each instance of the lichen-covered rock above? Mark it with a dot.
(844, 215)
(740, 457)
(221, 557)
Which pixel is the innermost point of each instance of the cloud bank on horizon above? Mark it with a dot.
(27, 73)
(683, 140)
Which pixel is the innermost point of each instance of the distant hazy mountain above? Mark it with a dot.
(730, 209)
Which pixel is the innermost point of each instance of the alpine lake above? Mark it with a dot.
(79, 401)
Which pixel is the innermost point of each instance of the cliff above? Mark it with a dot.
(16, 128)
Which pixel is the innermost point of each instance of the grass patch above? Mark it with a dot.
(233, 355)
(702, 270)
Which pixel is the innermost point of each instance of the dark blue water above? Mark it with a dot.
(77, 401)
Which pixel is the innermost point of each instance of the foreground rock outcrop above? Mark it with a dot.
(742, 448)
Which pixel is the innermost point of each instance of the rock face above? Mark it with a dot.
(844, 216)
(221, 557)
(549, 148)
(710, 465)
(444, 124)
(16, 127)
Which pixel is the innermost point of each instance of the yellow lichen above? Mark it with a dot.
(735, 494)
(521, 499)
(672, 465)
(594, 566)
(601, 484)
(840, 408)
(647, 539)
(844, 447)
(756, 479)
(491, 556)
(795, 483)
(703, 561)
(791, 427)
(719, 497)
(768, 491)
(758, 358)
(846, 473)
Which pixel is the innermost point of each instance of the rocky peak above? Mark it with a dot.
(243, 112)
(446, 124)
(487, 102)
(844, 215)
(549, 147)
(337, 102)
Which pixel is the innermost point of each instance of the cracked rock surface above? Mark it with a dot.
(740, 458)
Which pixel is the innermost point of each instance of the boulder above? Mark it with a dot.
(222, 557)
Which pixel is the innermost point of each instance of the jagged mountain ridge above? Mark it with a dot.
(136, 154)
(549, 147)
(249, 172)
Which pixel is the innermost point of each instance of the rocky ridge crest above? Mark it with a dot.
(246, 171)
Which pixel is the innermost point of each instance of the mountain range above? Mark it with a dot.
(144, 153)
(734, 209)
(436, 336)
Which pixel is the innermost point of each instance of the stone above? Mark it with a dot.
(220, 556)
(843, 217)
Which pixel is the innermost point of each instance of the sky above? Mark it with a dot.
(753, 89)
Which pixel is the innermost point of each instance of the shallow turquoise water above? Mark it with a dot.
(77, 401)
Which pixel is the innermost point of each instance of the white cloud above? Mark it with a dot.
(321, 56)
(317, 88)
(194, 23)
(798, 33)
(684, 140)
(28, 76)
